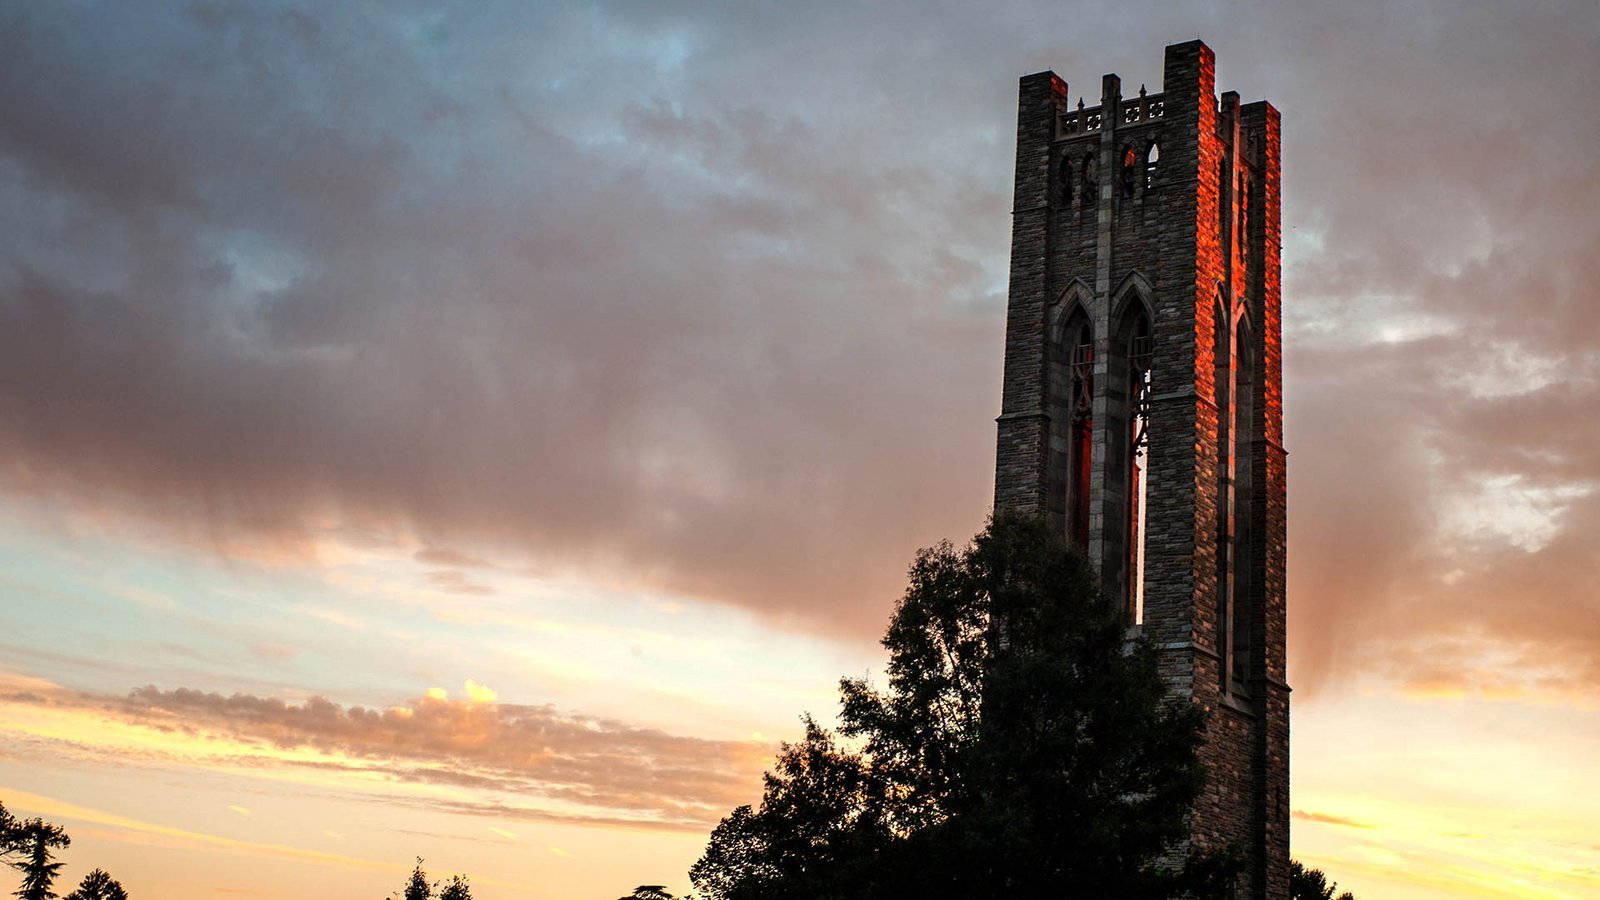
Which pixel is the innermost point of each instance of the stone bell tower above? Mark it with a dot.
(1142, 410)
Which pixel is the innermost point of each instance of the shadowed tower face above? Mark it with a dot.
(1142, 411)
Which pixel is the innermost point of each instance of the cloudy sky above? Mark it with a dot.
(480, 430)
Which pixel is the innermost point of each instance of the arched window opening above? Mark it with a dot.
(1064, 183)
(1244, 430)
(1071, 409)
(1124, 422)
(1140, 356)
(1152, 156)
(1130, 171)
(1222, 353)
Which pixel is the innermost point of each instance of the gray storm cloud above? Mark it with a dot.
(715, 298)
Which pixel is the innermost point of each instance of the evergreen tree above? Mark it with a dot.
(32, 843)
(98, 885)
(1023, 747)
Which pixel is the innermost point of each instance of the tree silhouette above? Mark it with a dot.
(648, 892)
(1312, 884)
(28, 846)
(98, 885)
(417, 887)
(457, 889)
(1023, 747)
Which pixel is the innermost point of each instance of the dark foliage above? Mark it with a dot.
(417, 887)
(1311, 884)
(456, 889)
(1023, 747)
(98, 885)
(28, 846)
(648, 892)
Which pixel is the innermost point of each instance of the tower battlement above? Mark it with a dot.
(1141, 411)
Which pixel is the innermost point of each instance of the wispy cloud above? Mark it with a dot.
(41, 805)
(563, 768)
(1327, 819)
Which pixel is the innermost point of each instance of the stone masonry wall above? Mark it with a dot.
(1176, 246)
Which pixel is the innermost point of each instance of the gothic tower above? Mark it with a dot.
(1142, 410)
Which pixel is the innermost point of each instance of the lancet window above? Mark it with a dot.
(1072, 360)
(1139, 358)
(1222, 353)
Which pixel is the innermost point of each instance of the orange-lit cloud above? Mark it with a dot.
(508, 293)
(562, 768)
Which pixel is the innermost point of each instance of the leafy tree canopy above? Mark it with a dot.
(417, 886)
(648, 892)
(1022, 747)
(98, 885)
(456, 889)
(1311, 884)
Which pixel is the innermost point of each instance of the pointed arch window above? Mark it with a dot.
(1140, 357)
(1222, 386)
(1071, 408)
(1130, 171)
(1152, 156)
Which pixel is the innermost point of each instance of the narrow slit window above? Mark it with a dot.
(1244, 211)
(1222, 353)
(1140, 357)
(1152, 156)
(1081, 434)
(1090, 192)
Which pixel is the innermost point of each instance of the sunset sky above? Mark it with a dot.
(480, 430)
